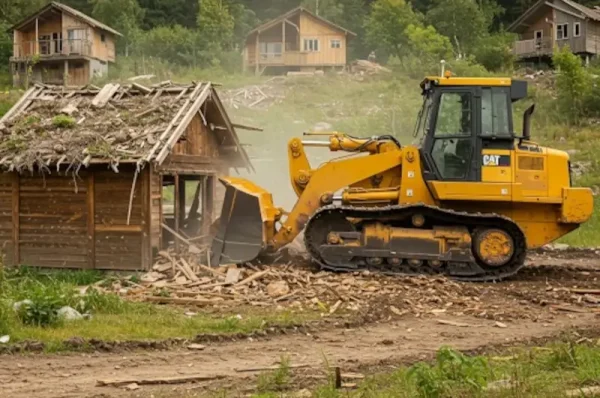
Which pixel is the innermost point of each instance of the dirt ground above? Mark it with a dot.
(538, 303)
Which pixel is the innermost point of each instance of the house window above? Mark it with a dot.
(311, 44)
(336, 43)
(270, 50)
(562, 31)
(102, 37)
(577, 29)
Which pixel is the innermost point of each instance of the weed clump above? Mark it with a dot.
(452, 373)
(276, 380)
(63, 121)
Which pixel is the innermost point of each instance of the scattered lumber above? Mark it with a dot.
(157, 380)
(105, 95)
(585, 291)
(453, 323)
(185, 279)
(179, 300)
(266, 368)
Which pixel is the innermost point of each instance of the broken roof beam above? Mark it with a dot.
(183, 124)
(24, 102)
(243, 127)
(105, 95)
(141, 88)
(165, 133)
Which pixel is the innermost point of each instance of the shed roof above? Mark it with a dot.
(112, 125)
(69, 10)
(292, 13)
(576, 10)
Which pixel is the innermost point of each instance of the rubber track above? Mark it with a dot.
(447, 217)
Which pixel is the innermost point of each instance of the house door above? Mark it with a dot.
(539, 36)
(57, 42)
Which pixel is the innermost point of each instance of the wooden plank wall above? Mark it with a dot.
(6, 217)
(311, 28)
(79, 72)
(53, 221)
(199, 141)
(66, 222)
(118, 245)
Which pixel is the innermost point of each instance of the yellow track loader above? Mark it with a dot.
(467, 201)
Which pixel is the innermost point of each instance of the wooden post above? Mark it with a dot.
(36, 46)
(15, 218)
(210, 198)
(176, 208)
(91, 220)
(182, 204)
(257, 55)
(283, 41)
(206, 221)
(146, 199)
(160, 209)
(66, 73)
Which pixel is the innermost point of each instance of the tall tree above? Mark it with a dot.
(386, 24)
(169, 12)
(85, 6)
(268, 9)
(328, 9)
(461, 20)
(354, 16)
(123, 15)
(215, 24)
(244, 20)
(12, 11)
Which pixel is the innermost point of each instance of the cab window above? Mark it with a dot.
(454, 115)
(494, 112)
(453, 144)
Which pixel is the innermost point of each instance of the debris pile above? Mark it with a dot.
(257, 96)
(184, 281)
(364, 67)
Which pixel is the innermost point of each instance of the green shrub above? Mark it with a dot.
(40, 311)
(63, 121)
(495, 52)
(572, 84)
(5, 316)
(452, 374)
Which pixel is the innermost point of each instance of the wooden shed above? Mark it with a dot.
(100, 178)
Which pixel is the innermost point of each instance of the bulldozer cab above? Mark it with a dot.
(466, 124)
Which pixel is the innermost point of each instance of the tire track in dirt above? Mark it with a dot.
(75, 375)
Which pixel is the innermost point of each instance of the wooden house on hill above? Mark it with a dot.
(556, 23)
(61, 46)
(88, 175)
(296, 41)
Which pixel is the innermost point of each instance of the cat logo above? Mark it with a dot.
(491, 160)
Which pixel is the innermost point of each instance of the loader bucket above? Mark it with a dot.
(246, 223)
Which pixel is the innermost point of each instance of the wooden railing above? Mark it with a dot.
(52, 48)
(533, 47)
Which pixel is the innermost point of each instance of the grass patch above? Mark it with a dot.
(112, 318)
(63, 121)
(525, 373)
(588, 234)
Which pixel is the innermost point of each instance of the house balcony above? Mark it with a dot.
(51, 49)
(533, 48)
